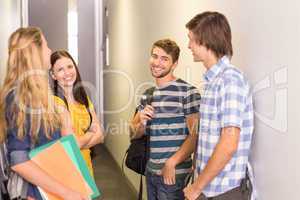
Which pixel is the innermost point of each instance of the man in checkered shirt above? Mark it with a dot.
(226, 113)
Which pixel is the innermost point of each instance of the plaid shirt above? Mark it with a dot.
(226, 101)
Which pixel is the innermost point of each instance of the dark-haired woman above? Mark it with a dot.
(77, 111)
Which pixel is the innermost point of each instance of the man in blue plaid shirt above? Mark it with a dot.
(226, 113)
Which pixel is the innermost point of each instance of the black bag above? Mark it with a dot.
(137, 154)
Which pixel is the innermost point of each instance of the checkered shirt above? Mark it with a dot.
(227, 101)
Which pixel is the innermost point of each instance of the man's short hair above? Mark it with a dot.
(169, 46)
(212, 30)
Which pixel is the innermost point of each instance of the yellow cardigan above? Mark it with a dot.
(80, 122)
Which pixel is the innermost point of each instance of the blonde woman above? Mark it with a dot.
(78, 115)
(27, 115)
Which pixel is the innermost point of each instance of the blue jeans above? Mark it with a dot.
(157, 190)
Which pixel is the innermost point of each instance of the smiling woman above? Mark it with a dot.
(76, 109)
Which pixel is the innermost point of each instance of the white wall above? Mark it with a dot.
(86, 39)
(10, 20)
(88, 43)
(51, 17)
(270, 53)
(266, 47)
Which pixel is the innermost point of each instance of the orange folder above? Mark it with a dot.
(55, 161)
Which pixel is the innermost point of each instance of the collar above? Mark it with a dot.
(216, 69)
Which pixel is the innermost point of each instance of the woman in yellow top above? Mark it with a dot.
(77, 112)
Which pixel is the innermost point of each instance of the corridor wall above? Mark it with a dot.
(10, 20)
(51, 17)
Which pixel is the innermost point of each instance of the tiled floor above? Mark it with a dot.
(109, 177)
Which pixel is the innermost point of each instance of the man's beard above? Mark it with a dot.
(162, 75)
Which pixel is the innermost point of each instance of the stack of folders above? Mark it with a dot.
(63, 161)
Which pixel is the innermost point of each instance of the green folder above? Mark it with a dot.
(72, 149)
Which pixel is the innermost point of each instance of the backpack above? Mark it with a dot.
(3, 172)
(137, 154)
(12, 185)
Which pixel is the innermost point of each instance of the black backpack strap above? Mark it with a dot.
(149, 91)
(141, 189)
(123, 161)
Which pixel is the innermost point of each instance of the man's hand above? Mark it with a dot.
(138, 123)
(191, 192)
(146, 114)
(168, 172)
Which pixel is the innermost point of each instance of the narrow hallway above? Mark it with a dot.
(109, 178)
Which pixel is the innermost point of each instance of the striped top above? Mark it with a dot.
(168, 129)
(226, 101)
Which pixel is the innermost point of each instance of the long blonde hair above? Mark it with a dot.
(27, 77)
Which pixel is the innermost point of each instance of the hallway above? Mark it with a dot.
(109, 178)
